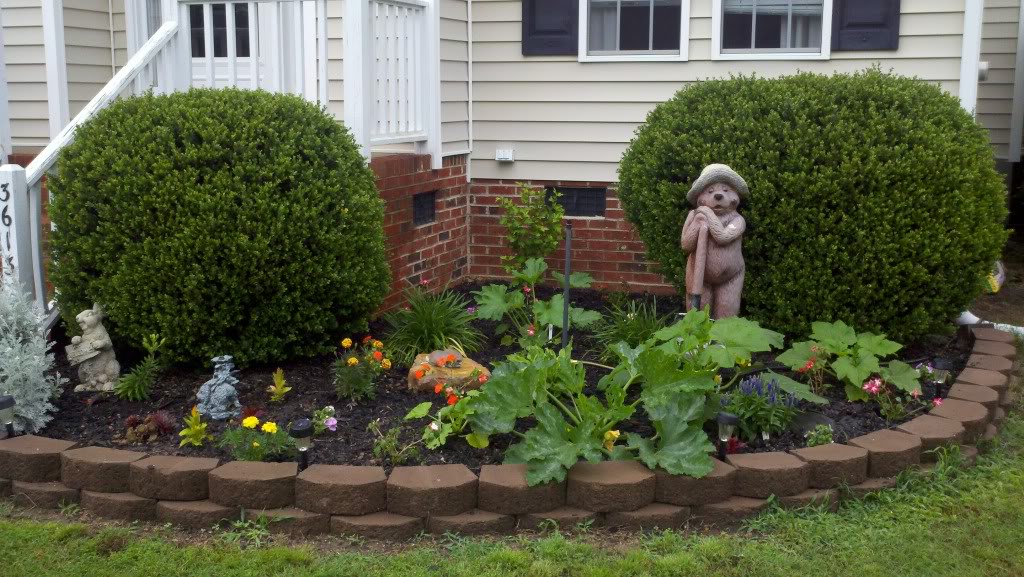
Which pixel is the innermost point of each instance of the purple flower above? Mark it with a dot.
(331, 423)
(471, 310)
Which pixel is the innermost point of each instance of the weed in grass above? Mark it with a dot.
(111, 540)
(252, 532)
(69, 509)
(65, 532)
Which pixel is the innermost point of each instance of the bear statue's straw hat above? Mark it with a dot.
(714, 173)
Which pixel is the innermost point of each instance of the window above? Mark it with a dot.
(634, 29)
(423, 208)
(772, 29)
(581, 201)
(220, 30)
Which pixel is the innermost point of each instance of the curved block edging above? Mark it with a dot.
(197, 493)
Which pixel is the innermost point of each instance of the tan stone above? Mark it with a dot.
(465, 376)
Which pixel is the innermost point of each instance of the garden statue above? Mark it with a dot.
(218, 398)
(93, 352)
(712, 237)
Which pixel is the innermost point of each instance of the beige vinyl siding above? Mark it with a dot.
(25, 59)
(999, 49)
(88, 49)
(454, 77)
(120, 33)
(568, 120)
(336, 59)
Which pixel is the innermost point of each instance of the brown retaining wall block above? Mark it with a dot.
(761, 475)
(503, 489)
(195, 514)
(121, 506)
(32, 459)
(1005, 350)
(991, 432)
(690, 491)
(610, 486)
(973, 416)
(990, 363)
(653, 516)
(97, 469)
(475, 522)
(431, 490)
(565, 518)
(730, 512)
(984, 395)
(254, 485)
(934, 432)
(871, 486)
(834, 464)
(381, 526)
(1008, 400)
(999, 417)
(995, 335)
(982, 378)
(171, 478)
(294, 522)
(341, 489)
(889, 452)
(5, 488)
(829, 498)
(46, 495)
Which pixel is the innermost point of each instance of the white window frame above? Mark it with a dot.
(684, 40)
(716, 40)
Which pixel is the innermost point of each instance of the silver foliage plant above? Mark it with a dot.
(26, 362)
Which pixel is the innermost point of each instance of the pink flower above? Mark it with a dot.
(530, 331)
(526, 289)
(471, 310)
(873, 386)
(331, 423)
(424, 282)
(937, 402)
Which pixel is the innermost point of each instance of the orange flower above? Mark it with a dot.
(440, 362)
(452, 399)
(438, 388)
(482, 379)
(367, 339)
(377, 355)
(451, 358)
(418, 374)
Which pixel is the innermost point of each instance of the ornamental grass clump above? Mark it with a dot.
(431, 322)
(875, 183)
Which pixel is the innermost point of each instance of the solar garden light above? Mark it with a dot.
(302, 432)
(941, 369)
(727, 423)
(7, 414)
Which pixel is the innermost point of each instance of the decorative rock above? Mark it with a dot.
(995, 335)
(32, 459)
(968, 455)
(973, 416)
(889, 452)
(934, 432)
(97, 469)
(503, 489)
(194, 514)
(827, 498)
(653, 516)
(296, 522)
(122, 506)
(990, 363)
(761, 475)
(983, 378)
(690, 491)
(47, 495)
(171, 478)
(871, 486)
(218, 398)
(380, 526)
(984, 395)
(254, 485)
(610, 486)
(1005, 350)
(431, 490)
(475, 522)
(834, 464)
(93, 352)
(341, 489)
(565, 518)
(464, 376)
(5, 488)
(730, 512)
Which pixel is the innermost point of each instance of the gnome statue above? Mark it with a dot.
(218, 398)
(712, 237)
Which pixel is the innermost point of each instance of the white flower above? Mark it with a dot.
(434, 427)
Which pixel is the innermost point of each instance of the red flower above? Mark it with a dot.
(482, 379)
(418, 374)
(451, 358)
(367, 339)
(377, 355)
(807, 367)
(438, 388)
(734, 446)
(440, 362)
(526, 289)
(452, 399)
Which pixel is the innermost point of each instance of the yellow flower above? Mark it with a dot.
(386, 363)
(378, 345)
(269, 428)
(346, 343)
(609, 439)
(718, 379)
(743, 362)
(255, 444)
(352, 361)
(250, 422)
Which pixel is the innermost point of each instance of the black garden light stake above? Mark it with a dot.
(727, 423)
(941, 369)
(302, 432)
(7, 414)
(565, 297)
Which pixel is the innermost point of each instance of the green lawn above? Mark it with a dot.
(947, 523)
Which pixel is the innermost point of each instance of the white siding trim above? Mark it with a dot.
(469, 87)
(970, 54)
(716, 40)
(1017, 115)
(56, 65)
(583, 36)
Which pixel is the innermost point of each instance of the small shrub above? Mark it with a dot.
(256, 441)
(280, 387)
(819, 435)
(632, 323)
(763, 408)
(26, 363)
(147, 430)
(356, 369)
(533, 225)
(878, 184)
(194, 433)
(135, 386)
(430, 323)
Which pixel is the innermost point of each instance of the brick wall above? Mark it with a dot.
(606, 247)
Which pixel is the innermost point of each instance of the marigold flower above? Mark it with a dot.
(452, 400)
(386, 363)
(377, 355)
(937, 401)
(438, 388)
(346, 343)
(378, 345)
(352, 361)
(269, 427)
(440, 362)
(418, 375)
(451, 358)
(367, 339)
(251, 422)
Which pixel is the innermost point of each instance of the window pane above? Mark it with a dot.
(737, 23)
(220, 31)
(195, 19)
(770, 29)
(242, 30)
(602, 24)
(772, 24)
(667, 15)
(806, 28)
(635, 25)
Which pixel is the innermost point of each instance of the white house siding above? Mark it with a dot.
(454, 77)
(26, 73)
(572, 121)
(88, 49)
(999, 49)
(120, 33)
(335, 58)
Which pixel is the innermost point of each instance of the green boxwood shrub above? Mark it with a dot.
(228, 221)
(874, 197)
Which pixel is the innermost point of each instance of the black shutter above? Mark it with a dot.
(866, 25)
(549, 27)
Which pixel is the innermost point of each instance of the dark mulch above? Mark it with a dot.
(99, 419)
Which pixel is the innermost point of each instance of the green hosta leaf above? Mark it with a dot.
(582, 317)
(796, 388)
(902, 375)
(532, 273)
(836, 338)
(419, 411)
(661, 376)
(856, 370)
(797, 355)
(494, 301)
(576, 279)
(877, 345)
(675, 406)
(477, 441)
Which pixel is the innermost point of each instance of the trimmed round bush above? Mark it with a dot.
(874, 197)
(228, 221)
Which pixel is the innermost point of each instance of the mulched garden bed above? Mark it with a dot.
(99, 420)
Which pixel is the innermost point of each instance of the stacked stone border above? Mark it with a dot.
(198, 493)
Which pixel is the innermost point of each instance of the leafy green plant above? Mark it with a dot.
(451, 419)
(280, 387)
(763, 408)
(519, 308)
(431, 322)
(194, 433)
(533, 225)
(357, 367)
(388, 445)
(323, 421)
(135, 386)
(819, 435)
(631, 322)
(256, 441)
(249, 531)
(241, 221)
(880, 211)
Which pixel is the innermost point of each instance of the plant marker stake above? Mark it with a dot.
(565, 296)
(7, 414)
